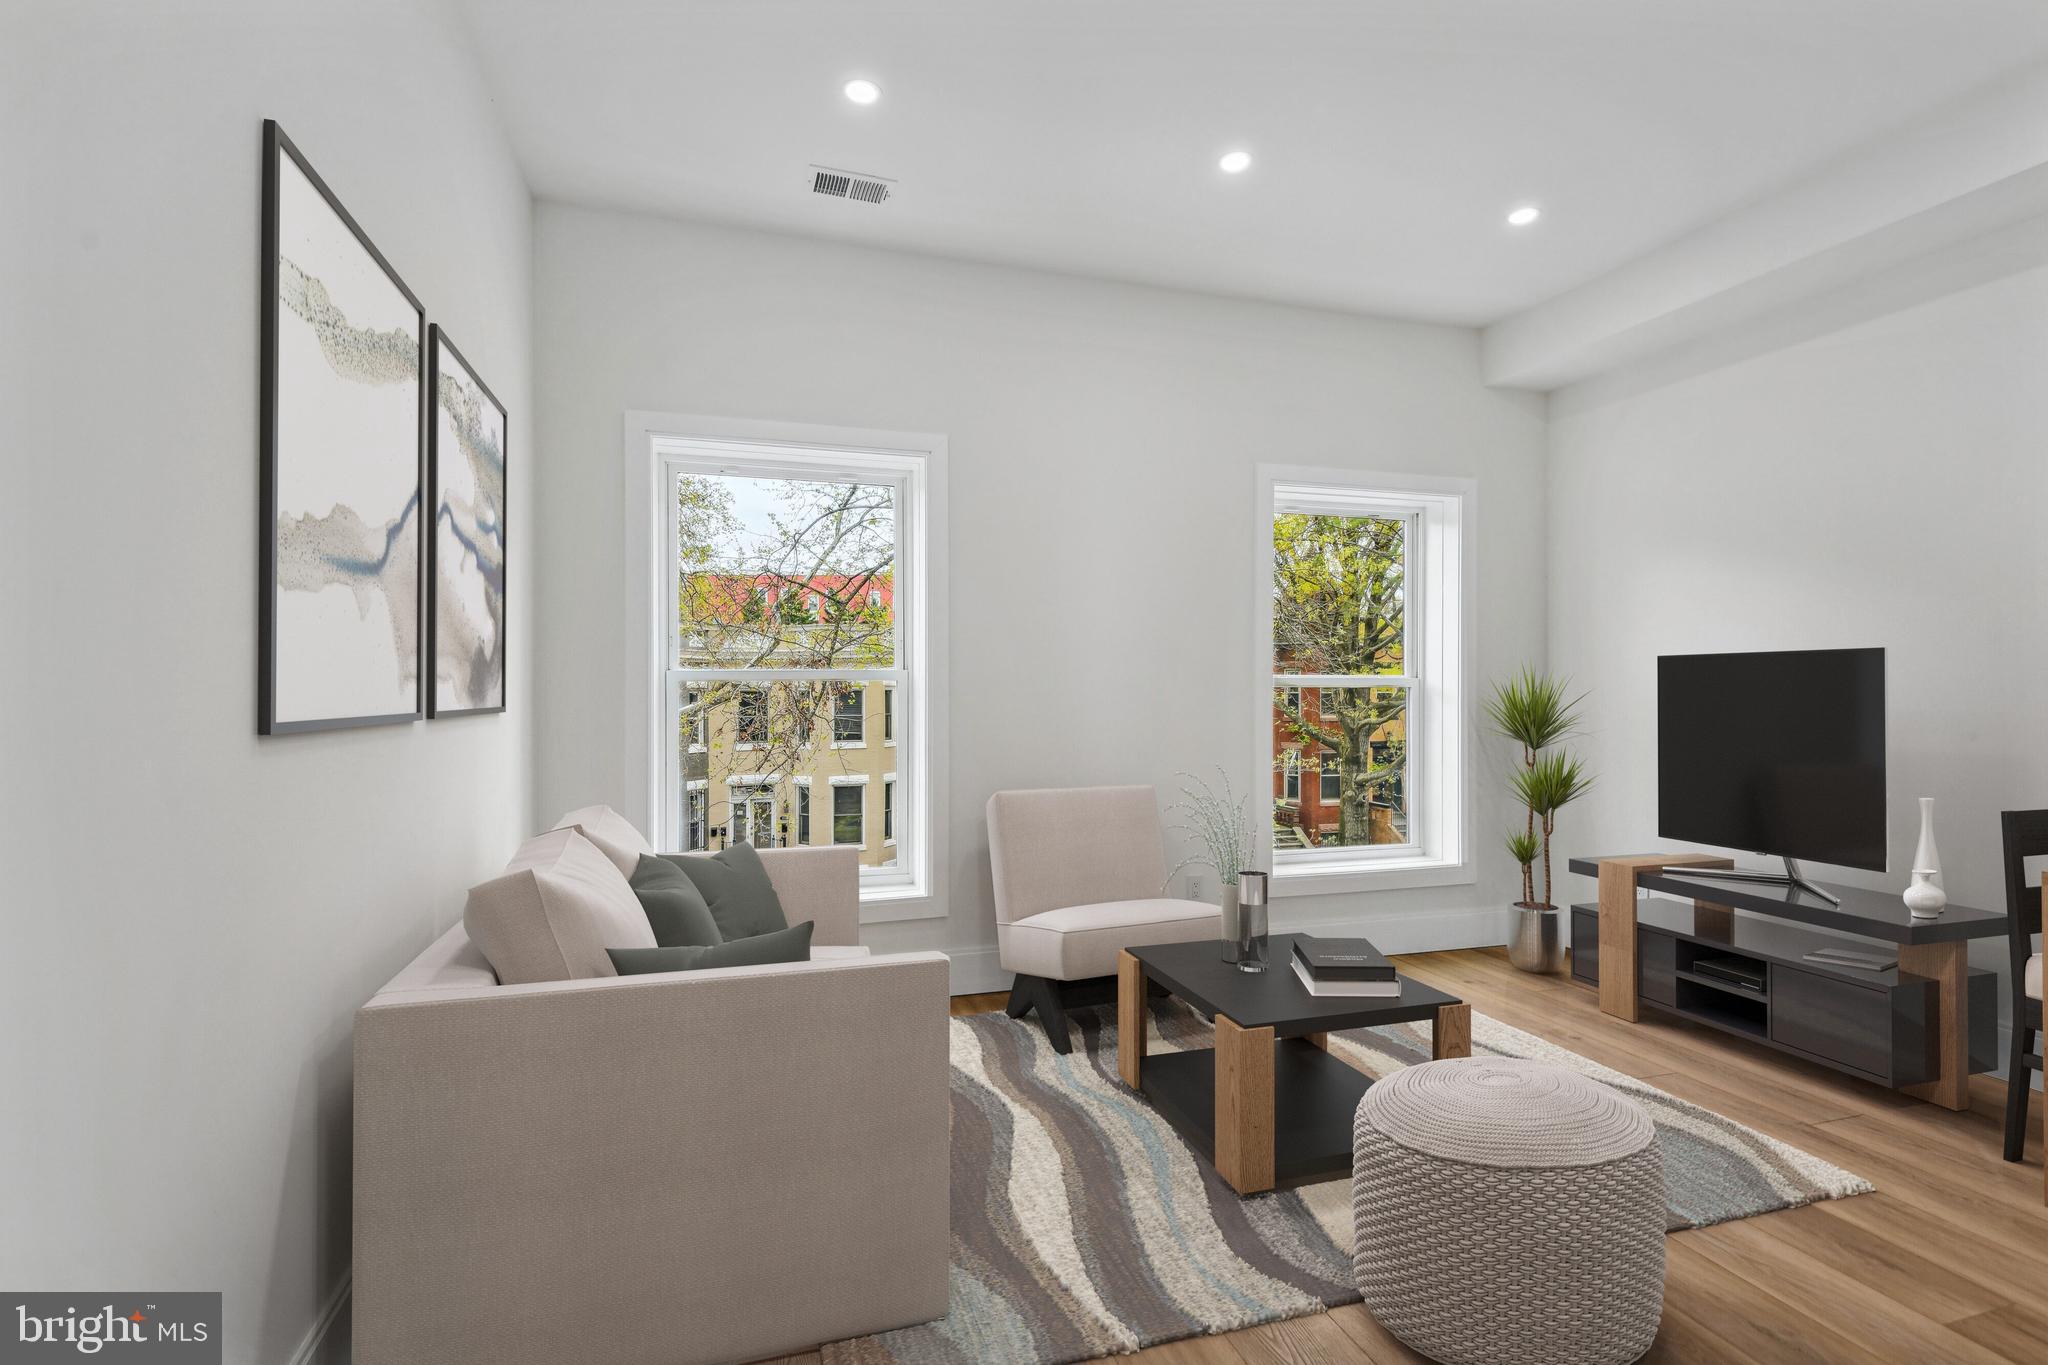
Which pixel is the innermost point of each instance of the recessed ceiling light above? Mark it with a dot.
(1524, 215)
(863, 92)
(1233, 162)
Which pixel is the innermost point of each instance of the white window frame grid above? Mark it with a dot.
(1439, 643)
(658, 446)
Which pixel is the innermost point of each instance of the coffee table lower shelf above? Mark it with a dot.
(1314, 1099)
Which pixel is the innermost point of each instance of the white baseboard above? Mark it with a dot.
(978, 969)
(313, 1345)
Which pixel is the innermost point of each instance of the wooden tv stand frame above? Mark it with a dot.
(1932, 951)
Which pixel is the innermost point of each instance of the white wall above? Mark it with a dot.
(191, 915)
(1881, 485)
(1103, 439)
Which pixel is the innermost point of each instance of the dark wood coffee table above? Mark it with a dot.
(1269, 1105)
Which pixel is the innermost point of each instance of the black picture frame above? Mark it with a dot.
(276, 146)
(430, 524)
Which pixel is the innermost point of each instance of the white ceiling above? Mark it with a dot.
(1390, 136)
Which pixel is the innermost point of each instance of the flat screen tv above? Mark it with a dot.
(1778, 753)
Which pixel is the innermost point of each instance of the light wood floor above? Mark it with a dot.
(1947, 1262)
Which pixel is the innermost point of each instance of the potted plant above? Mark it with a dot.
(1224, 839)
(1532, 709)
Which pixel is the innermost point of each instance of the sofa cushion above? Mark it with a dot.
(1081, 941)
(736, 888)
(675, 908)
(613, 834)
(558, 906)
(2033, 978)
(784, 945)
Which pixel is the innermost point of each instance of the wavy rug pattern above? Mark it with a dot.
(1084, 1226)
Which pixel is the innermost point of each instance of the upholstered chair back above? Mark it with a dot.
(1057, 847)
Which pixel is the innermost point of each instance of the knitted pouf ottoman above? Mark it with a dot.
(1508, 1213)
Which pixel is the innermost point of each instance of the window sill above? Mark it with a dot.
(901, 901)
(1381, 874)
(849, 744)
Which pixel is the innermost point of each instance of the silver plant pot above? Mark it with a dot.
(1537, 944)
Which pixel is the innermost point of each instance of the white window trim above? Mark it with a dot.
(1442, 627)
(888, 816)
(912, 889)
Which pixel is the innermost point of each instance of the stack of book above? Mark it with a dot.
(1344, 966)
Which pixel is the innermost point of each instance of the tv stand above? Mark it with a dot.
(1789, 877)
(1921, 1026)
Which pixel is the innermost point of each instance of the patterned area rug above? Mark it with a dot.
(1084, 1226)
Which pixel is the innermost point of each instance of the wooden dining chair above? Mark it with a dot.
(2026, 836)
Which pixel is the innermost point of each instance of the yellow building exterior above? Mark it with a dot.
(835, 785)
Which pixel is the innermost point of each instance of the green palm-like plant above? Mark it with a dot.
(1531, 708)
(1524, 849)
(1536, 711)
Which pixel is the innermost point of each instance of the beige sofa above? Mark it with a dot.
(716, 1165)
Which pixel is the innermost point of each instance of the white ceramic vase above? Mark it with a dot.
(1926, 857)
(1925, 897)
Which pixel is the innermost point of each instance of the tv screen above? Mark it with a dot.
(1778, 753)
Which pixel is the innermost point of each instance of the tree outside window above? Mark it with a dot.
(1341, 697)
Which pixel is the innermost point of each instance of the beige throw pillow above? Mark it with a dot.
(613, 834)
(553, 913)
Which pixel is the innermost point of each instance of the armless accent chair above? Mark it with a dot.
(2026, 836)
(1080, 874)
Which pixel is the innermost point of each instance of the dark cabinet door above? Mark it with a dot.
(1657, 968)
(1586, 946)
(1835, 1021)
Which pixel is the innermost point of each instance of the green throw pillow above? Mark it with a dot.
(675, 907)
(784, 945)
(736, 887)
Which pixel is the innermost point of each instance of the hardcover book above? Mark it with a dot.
(1344, 989)
(1343, 959)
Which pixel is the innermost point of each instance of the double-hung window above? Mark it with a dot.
(792, 598)
(1362, 650)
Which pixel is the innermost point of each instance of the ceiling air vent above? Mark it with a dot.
(868, 189)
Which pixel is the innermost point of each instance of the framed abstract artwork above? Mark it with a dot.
(465, 537)
(342, 437)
